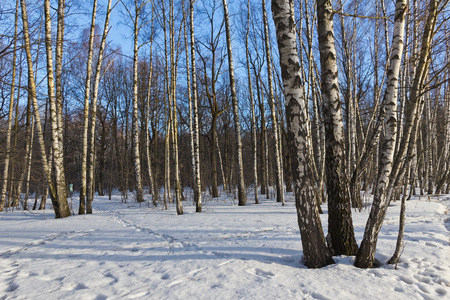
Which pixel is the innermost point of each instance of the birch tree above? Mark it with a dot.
(87, 88)
(90, 176)
(316, 253)
(153, 189)
(366, 254)
(135, 16)
(276, 135)
(210, 81)
(242, 197)
(60, 205)
(55, 99)
(252, 105)
(194, 132)
(167, 96)
(10, 112)
(173, 80)
(340, 225)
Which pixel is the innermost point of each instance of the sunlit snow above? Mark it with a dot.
(132, 251)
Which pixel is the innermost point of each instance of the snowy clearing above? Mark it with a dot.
(127, 251)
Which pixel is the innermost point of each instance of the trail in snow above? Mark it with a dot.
(124, 251)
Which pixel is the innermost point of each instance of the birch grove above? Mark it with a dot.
(173, 104)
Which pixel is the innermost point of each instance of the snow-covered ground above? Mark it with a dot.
(127, 251)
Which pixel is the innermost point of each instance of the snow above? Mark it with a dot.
(131, 251)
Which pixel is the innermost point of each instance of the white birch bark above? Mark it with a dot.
(167, 113)
(416, 100)
(173, 75)
(58, 159)
(366, 254)
(446, 147)
(316, 254)
(340, 226)
(431, 134)
(32, 91)
(135, 125)
(29, 151)
(11, 106)
(252, 104)
(87, 89)
(276, 136)
(219, 153)
(196, 144)
(263, 137)
(242, 197)
(188, 81)
(90, 176)
(147, 120)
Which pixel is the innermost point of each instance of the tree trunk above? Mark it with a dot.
(366, 254)
(252, 106)
(196, 144)
(242, 197)
(263, 153)
(11, 106)
(59, 166)
(87, 86)
(90, 187)
(276, 136)
(316, 253)
(58, 193)
(153, 190)
(135, 128)
(173, 75)
(62, 211)
(340, 225)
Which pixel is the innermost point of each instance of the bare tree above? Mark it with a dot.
(90, 176)
(340, 225)
(153, 189)
(194, 131)
(366, 254)
(55, 100)
(252, 105)
(276, 135)
(10, 112)
(316, 253)
(82, 204)
(135, 17)
(242, 197)
(212, 62)
(60, 205)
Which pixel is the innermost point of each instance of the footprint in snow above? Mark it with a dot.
(441, 291)
(426, 296)
(319, 296)
(114, 278)
(12, 287)
(80, 286)
(263, 273)
(422, 278)
(423, 288)
(406, 279)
